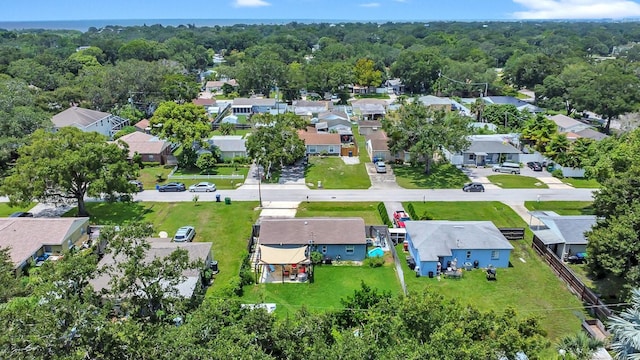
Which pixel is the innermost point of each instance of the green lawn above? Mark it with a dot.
(330, 285)
(516, 182)
(6, 210)
(562, 207)
(443, 176)
(227, 226)
(363, 155)
(530, 286)
(149, 174)
(335, 174)
(366, 210)
(582, 183)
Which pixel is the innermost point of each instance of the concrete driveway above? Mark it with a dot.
(480, 175)
(381, 181)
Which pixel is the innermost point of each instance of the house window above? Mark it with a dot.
(324, 249)
(468, 255)
(332, 149)
(471, 156)
(150, 157)
(349, 249)
(495, 255)
(312, 149)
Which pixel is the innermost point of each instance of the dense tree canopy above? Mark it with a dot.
(67, 166)
(180, 123)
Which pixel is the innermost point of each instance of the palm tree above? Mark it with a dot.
(579, 346)
(477, 108)
(227, 128)
(625, 329)
(557, 148)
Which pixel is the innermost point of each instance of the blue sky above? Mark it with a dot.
(374, 10)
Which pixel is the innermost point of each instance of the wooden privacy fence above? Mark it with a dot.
(597, 307)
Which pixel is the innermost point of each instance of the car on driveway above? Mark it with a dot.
(473, 187)
(185, 234)
(172, 186)
(534, 165)
(399, 217)
(381, 167)
(203, 187)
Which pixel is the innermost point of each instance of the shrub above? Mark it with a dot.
(412, 211)
(374, 262)
(316, 257)
(557, 173)
(383, 214)
(246, 276)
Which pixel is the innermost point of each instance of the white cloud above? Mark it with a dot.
(370, 5)
(250, 3)
(577, 9)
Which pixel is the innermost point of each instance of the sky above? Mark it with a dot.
(359, 10)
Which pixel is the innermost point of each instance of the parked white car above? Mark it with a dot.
(203, 187)
(185, 234)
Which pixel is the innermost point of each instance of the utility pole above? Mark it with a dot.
(259, 182)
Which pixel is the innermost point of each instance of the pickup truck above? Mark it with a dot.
(399, 217)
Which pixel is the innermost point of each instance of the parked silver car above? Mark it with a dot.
(203, 187)
(381, 167)
(185, 234)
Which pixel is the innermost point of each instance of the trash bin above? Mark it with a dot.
(350, 153)
(227, 201)
(217, 197)
(430, 274)
(214, 266)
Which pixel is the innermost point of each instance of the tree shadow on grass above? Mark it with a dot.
(117, 213)
(443, 176)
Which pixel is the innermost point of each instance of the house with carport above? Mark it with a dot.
(285, 245)
(479, 243)
(563, 234)
(369, 109)
(30, 238)
(320, 142)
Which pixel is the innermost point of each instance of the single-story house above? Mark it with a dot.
(436, 103)
(443, 241)
(394, 86)
(510, 100)
(89, 120)
(377, 147)
(333, 115)
(150, 147)
(29, 238)
(231, 146)
(309, 109)
(369, 109)
(161, 248)
(206, 103)
(335, 238)
(320, 142)
(248, 106)
(566, 124)
(592, 134)
(486, 150)
(366, 127)
(215, 86)
(563, 234)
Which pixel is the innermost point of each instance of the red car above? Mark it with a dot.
(399, 217)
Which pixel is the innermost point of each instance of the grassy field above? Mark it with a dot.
(366, 210)
(562, 207)
(582, 183)
(331, 283)
(528, 285)
(227, 226)
(6, 210)
(149, 174)
(443, 176)
(516, 182)
(335, 174)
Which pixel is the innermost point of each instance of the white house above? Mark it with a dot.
(89, 120)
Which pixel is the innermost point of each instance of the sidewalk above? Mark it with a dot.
(522, 211)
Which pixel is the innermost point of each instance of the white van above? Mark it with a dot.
(507, 167)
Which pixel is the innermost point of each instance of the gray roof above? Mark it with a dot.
(254, 102)
(77, 116)
(230, 143)
(491, 147)
(434, 100)
(591, 134)
(569, 228)
(322, 231)
(161, 248)
(564, 121)
(433, 239)
(333, 115)
(510, 100)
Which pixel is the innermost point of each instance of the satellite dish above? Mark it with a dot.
(163, 234)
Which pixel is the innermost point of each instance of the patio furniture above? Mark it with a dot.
(453, 274)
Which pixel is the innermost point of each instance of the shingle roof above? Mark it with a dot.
(253, 102)
(143, 124)
(491, 147)
(230, 143)
(316, 138)
(333, 115)
(160, 248)
(144, 143)
(434, 100)
(322, 231)
(204, 102)
(370, 123)
(25, 236)
(591, 134)
(569, 228)
(564, 121)
(76, 116)
(433, 239)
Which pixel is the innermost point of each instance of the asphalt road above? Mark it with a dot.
(300, 193)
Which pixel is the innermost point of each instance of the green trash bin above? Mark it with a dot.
(227, 201)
